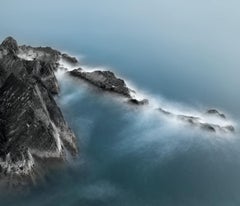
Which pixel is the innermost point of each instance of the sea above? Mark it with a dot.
(182, 55)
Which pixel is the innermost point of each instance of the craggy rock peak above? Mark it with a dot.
(10, 45)
(32, 127)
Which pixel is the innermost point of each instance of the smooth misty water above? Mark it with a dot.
(132, 156)
(185, 51)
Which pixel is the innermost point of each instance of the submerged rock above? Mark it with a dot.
(164, 111)
(215, 113)
(207, 127)
(229, 128)
(198, 122)
(138, 102)
(32, 127)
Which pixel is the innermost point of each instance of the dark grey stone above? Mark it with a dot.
(138, 102)
(32, 127)
(196, 122)
(105, 80)
(69, 59)
(215, 113)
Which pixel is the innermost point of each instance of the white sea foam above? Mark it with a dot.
(23, 166)
(64, 65)
(155, 101)
(30, 54)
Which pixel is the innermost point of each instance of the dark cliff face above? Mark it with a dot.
(32, 126)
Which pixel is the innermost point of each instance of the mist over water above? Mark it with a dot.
(182, 55)
(131, 156)
(188, 50)
(136, 156)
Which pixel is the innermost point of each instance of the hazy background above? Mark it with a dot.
(188, 50)
(184, 50)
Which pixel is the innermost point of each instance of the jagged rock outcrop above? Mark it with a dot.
(46, 54)
(104, 80)
(32, 126)
(138, 102)
(107, 81)
(9, 45)
(69, 59)
(199, 122)
(216, 113)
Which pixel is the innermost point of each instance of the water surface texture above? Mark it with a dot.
(183, 54)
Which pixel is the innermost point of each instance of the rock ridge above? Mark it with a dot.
(32, 126)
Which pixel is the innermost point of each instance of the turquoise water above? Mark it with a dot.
(182, 53)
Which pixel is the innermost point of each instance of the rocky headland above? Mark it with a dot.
(32, 127)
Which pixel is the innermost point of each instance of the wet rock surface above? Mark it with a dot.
(69, 59)
(214, 112)
(32, 126)
(104, 80)
(138, 102)
(199, 122)
(107, 81)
